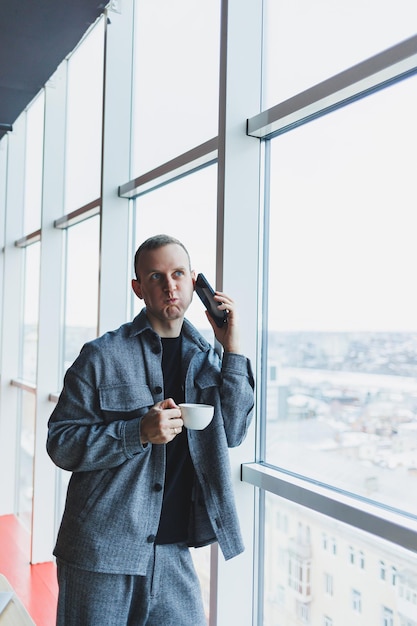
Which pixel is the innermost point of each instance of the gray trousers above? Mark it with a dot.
(169, 595)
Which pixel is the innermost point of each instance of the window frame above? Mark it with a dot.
(386, 68)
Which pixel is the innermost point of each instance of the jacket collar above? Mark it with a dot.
(141, 324)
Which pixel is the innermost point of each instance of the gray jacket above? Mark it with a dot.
(115, 492)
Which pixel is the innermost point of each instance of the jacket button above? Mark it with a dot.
(158, 487)
(156, 349)
(151, 538)
(158, 389)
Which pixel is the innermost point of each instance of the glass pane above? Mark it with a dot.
(34, 165)
(342, 313)
(82, 281)
(27, 407)
(176, 81)
(185, 209)
(81, 308)
(307, 42)
(63, 478)
(201, 559)
(320, 571)
(84, 121)
(31, 311)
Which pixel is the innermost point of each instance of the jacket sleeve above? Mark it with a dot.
(236, 397)
(87, 433)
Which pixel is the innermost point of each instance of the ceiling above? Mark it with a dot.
(35, 36)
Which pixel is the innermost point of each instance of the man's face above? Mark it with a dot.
(166, 284)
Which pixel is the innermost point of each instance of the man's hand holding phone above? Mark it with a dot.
(221, 314)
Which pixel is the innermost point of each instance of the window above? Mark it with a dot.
(345, 357)
(81, 293)
(303, 612)
(328, 429)
(387, 617)
(84, 121)
(34, 165)
(328, 584)
(172, 209)
(176, 90)
(281, 595)
(407, 593)
(80, 308)
(324, 26)
(382, 570)
(299, 575)
(26, 423)
(356, 601)
(27, 370)
(30, 315)
(308, 572)
(329, 544)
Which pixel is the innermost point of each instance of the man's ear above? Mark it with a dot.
(193, 277)
(137, 288)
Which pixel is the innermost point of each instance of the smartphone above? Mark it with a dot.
(205, 292)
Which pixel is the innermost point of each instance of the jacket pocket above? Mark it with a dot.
(206, 388)
(124, 402)
(205, 380)
(94, 488)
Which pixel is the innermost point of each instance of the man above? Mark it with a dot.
(143, 488)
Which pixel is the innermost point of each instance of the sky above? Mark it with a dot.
(343, 218)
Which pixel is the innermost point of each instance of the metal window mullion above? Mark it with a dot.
(79, 215)
(118, 138)
(224, 6)
(191, 161)
(377, 72)
(25, 385)
(28, 240)
(263, 291)
(261, 387)
(237, 261)
(369, 517)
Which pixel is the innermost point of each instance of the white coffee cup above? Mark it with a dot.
(196, 416)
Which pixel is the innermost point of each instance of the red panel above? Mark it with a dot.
(35, 585)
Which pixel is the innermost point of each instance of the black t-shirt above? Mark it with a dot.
(173, 525)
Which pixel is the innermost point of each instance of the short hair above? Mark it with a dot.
(155, 242)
